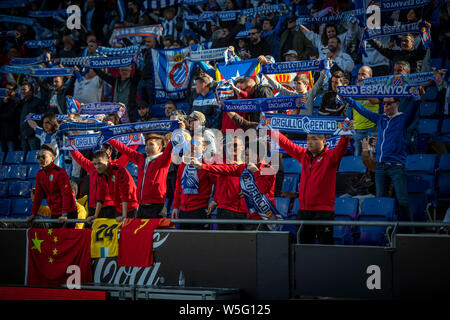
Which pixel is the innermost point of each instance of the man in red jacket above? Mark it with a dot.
(153, 167)
(120, 184)
(316, 193)
(193, 190)
(52, 182)
(108, 210)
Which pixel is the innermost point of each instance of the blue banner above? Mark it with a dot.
(376, 91)
(295, 66)
(411, 79)
(208, 54)
(110, 132)
(14, 19)
(15, 69)
(336, 126)
(51, 72)
(136, 32)
(117, 51)
(346, 16)
(99, 62)
(391, 5)
(262, 104)
(89, 141)
(26, 61)
(39, 43)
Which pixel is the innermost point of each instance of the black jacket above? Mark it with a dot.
(48, 90)
(32, 105)
(9, 126)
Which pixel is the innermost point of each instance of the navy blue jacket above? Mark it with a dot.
(391, 142)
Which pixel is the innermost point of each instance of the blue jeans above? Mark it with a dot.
(395, 174)
(359, 135)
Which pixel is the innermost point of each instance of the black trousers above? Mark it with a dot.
(309, 233)
(201, 213)
(228, 214)
(151, 211)
(108, 212)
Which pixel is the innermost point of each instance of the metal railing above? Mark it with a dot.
(392, 226)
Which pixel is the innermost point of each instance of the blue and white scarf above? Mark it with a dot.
(208, 55)
(133, 32)
(376, 91)
(295, 66)
(99, 62)
(26, 61)
(80, 126)
(14, 19)
(39, 43)
(263, 104)
(392, 5)
(109, 132)
(190, 181)
(51, 72)
(346, 16)
(118, 51)
(336, 126)
(15, 69)
(89, 141)
(417, 27)
(411, 79)
(62, 117)
(256, 201)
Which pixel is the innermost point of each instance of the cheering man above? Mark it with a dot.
(153, 167)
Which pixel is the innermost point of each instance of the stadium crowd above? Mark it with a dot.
(386, 128)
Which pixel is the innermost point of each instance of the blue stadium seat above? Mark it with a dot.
(431, 94)
(295, 207)
(132, 169)
(5, 207)
(352, 164)
(428, 126)
(420, 193)
(31, 156)
(445, 126)
(21, 207)
(16, 172)
(158, 110)
(282, 204)
(290, 165)
(345, 209)
(183, 106)
(3, 170)
(421, 163)
(428, 109)
(375, 209)
(443, 178)
(2, 157)
(19, 189)
(15, 157)
(3, 189)
(32, 171)
(290, 182)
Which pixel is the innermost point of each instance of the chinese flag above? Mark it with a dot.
(136, 241)
(52, 251)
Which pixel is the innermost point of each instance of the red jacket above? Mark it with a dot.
(53, 183)
(121, 187)
(190, 202)
(317, 187)
(88, 166)
(152, 186)
(228, 195)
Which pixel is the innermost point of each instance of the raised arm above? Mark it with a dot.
(133, 155)
(85, 163)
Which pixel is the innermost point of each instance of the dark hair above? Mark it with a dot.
(154, 136)
(13, 84)
(271, 22)
(203, 79)
(53, 119)
(339, 75)
(100, 154)
(50, 148)
(324, 37)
